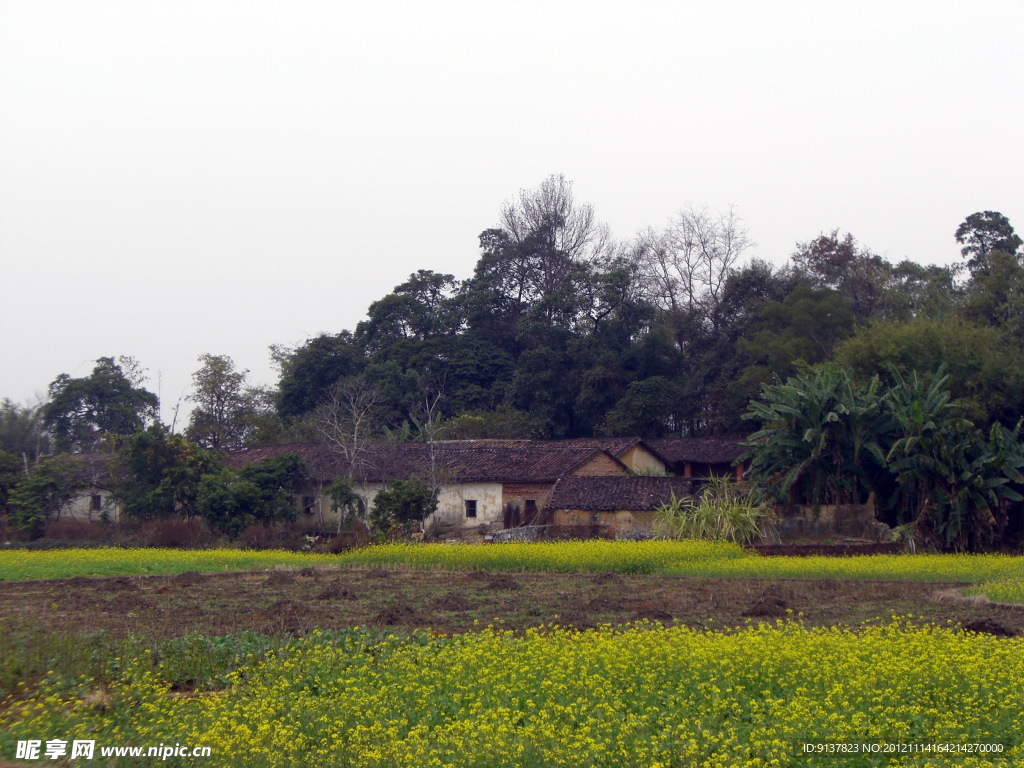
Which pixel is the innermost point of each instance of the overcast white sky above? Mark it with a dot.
(179, 178)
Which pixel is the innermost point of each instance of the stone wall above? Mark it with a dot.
(832, 521)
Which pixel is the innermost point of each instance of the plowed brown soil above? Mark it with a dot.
(295, 602)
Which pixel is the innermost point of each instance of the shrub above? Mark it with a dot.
(725, 512)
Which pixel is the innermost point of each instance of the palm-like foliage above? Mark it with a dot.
(821, 440)
(950, 481)
(826, 441)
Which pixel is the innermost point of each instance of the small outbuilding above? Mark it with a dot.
(628, 503)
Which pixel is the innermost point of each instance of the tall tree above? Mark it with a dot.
(309, 372)
(529, 262)
(421, 308)
(686, 266)
(983, 366)
(82, 413)
(158, 474)
(22, 431)
(43, 494)
(228, 412)
(229, 499)
(984, 232)
(856, 273)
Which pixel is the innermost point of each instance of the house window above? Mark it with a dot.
(308, 502)
(96, 502)
(470, 507)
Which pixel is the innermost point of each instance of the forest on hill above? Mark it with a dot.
(856, 375)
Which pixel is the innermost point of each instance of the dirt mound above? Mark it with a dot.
(126, 602)
(576, 618)
(117, 584)
(279, 578)
(187, 579)
(606, 604)
(397, 614)
(453, 601)
(771, 604)
(502, 581)
(767, 608)
(989, 627)
(336, 592)
(75, 600)
(287, 616)
(652, 613)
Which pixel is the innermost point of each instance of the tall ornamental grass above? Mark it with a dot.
(724, 512)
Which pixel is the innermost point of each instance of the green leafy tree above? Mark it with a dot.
(158, 474)
(311, 371)
(646, 409)
(403, 504)
(12, 472)
(228, 413)
(230, 500)
(995, 297)
(983, 365)
(22, 431)
(857, 274)
(346, 503)
(803, 328)
(419, 309)
(82, 413)
(43, 494)
(982, 233)
(503, 422)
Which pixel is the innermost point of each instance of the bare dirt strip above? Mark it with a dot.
(445, 602)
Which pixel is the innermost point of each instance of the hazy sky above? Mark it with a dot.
(179, 178)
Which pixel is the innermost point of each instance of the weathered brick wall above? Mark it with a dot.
(622, 520)
(602, 465)
(518, 493)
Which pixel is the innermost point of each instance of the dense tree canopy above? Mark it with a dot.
(561, 331)
(81, 413)
(228, 413)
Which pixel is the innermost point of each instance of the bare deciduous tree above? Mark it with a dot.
(346, 420)
(686, 266)
(548, 233)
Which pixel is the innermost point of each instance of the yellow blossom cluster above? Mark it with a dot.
(636, 696)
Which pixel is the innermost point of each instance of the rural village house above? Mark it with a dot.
(497, 483)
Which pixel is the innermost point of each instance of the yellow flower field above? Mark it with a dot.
(683, 558)
(1001, 591)
(639, 696)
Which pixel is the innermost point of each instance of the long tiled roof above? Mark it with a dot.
(611, 494)
(458, 460)
(701, 450)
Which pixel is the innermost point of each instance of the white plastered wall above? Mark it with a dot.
(451, 502)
